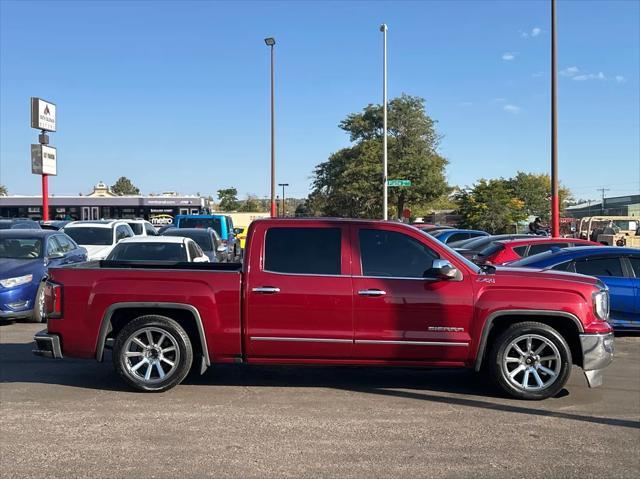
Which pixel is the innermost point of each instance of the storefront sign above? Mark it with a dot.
(44, 160)
(43, 115)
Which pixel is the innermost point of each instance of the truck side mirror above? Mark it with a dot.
(442, 269)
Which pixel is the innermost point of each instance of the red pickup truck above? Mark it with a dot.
(332, 292)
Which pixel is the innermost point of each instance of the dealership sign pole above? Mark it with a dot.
(44, 158)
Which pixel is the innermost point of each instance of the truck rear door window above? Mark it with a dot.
(392, 254)
(303, 250)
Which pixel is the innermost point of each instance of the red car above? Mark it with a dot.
(333, 292)
(505, 251)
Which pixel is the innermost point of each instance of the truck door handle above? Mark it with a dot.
(371, 292)
(266, 290)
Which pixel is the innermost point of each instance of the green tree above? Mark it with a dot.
(490, 205)
(124, 186)
(228, 199)
(251, 204)
(535, 192)
(350, 182)
(3, 190)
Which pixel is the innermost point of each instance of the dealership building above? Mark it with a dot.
(615, 206)
(102, 203)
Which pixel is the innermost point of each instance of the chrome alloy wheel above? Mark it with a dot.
(531, 362)
(150, 355)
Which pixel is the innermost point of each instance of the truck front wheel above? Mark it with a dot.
(530, 360)
(152, 353)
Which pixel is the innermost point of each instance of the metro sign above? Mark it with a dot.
(43, 114)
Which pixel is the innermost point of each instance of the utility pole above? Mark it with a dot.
(271, 43)
(602, 190)
(284, 204)
(385, 180)
(555, 200)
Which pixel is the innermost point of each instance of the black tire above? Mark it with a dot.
(177, 350)
(38, 306)
(548, 375)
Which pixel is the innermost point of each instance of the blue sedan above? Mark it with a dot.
(25, 256)
(618, 268)
(450, 235)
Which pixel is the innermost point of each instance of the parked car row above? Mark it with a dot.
(616, 267)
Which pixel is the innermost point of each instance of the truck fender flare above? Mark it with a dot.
(517, 312)
(105, 325)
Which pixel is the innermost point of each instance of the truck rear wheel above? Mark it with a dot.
(530, 360)
(152, 353)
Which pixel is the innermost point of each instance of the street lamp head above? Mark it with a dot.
(383, 27)
(283, 184)
(270, 41)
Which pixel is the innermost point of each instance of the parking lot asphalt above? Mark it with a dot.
(74, 418)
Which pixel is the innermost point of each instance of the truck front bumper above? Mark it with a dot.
(47, 345)
(597, 354)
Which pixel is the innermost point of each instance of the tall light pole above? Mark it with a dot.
(284, 204)
(271, 43)
(385, 180)
(555, 200)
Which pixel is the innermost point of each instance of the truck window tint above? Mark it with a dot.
(303, 250)
(600, 266)
(392, 254)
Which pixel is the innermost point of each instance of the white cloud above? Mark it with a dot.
(508, 56)
(570, 71)
(620, 79)
(535, 31)
(590, 76)
(511, 109)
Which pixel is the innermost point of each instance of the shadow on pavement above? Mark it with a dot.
(17, 364)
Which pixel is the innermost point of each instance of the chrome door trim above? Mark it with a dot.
(266, 290)
(371, 292)
(395, 277)
(410, 343)
(301, 340)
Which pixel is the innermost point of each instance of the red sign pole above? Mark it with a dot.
(45, 197)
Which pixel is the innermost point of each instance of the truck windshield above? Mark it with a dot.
(91, 236)
(204, 223)
(148, 252)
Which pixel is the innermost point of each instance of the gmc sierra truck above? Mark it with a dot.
(331, 292)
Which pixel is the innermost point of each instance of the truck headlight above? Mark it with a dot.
(17, 281)
(601, 304)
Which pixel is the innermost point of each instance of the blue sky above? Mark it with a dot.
(175, 95)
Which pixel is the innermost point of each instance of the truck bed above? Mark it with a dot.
(98, 293)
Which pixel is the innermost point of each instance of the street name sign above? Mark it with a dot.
(43, 114)
(399, 182)
(44, 160)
